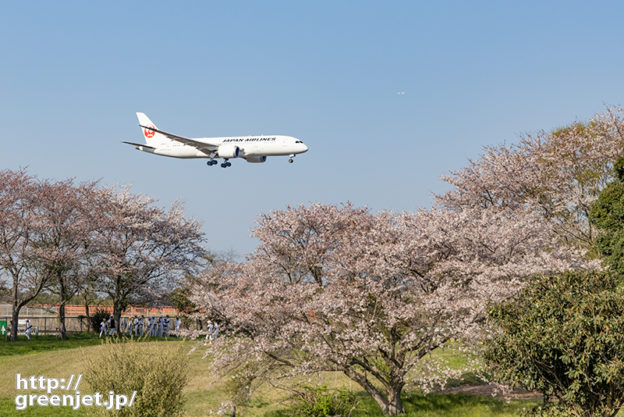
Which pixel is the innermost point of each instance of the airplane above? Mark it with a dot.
(254, 149)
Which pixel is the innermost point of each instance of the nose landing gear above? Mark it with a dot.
(291, 160)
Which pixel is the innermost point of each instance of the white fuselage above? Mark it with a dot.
(253, 149)
(248, 146)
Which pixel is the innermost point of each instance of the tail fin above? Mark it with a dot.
(152, 138)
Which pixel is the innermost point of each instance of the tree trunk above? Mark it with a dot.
(394, 405)
(15, 309)
(18, 304)
(62, 320)
(63, 296)
(86, 305)
(390, 404)
(116, 314)
(14, 320)
(118, 298)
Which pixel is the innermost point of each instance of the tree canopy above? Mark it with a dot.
(339, 287)
(562, 336)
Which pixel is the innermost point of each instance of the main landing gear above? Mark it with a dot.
(225, 163)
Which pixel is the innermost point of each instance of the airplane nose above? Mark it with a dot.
(305, 148)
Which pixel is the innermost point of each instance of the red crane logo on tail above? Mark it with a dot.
(149, 133)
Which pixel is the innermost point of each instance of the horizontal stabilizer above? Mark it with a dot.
(139, 144)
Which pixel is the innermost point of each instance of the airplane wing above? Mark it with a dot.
(139, 144)
(202, 146)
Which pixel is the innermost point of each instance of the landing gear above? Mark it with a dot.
(225, 163)
(211, 162)
(291, 160)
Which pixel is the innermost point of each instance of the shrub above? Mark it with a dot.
(96, 319)
(563, 336)
(157, 371)
(321, 402)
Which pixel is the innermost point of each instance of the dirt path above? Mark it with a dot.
(491, 391)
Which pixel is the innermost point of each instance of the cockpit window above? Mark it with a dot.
(298, 141)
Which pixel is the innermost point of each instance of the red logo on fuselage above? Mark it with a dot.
(148, 132)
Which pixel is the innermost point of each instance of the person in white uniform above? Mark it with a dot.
(210, 328)
(167, 326)
(103, 329)
(28, 329)
(161, 323)
(215, 330)
(150, 326)
(135, 325)
(178, 322)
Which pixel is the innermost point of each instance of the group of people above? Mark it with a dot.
(213, 331)
(141, 326)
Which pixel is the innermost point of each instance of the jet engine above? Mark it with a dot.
(228, 151)
(256, 159)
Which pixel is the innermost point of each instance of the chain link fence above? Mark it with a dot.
(49, 324)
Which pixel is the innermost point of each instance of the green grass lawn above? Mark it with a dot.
(43, 343)
(204, 393)
(7, 408)
(418, 405)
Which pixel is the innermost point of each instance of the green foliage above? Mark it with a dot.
(551, 410)
(319, 401)
(563, 336)
(618, 168)
(97, 318)
(179, 298)
(607, 214)
(576, 128)
(157, 371)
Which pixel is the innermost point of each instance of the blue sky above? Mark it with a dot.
(73, 74)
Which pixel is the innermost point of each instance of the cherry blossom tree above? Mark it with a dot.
(558, 174)
(66, 238)
(340, 288)
(63, 232)
(141, 247)
(18, 200)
